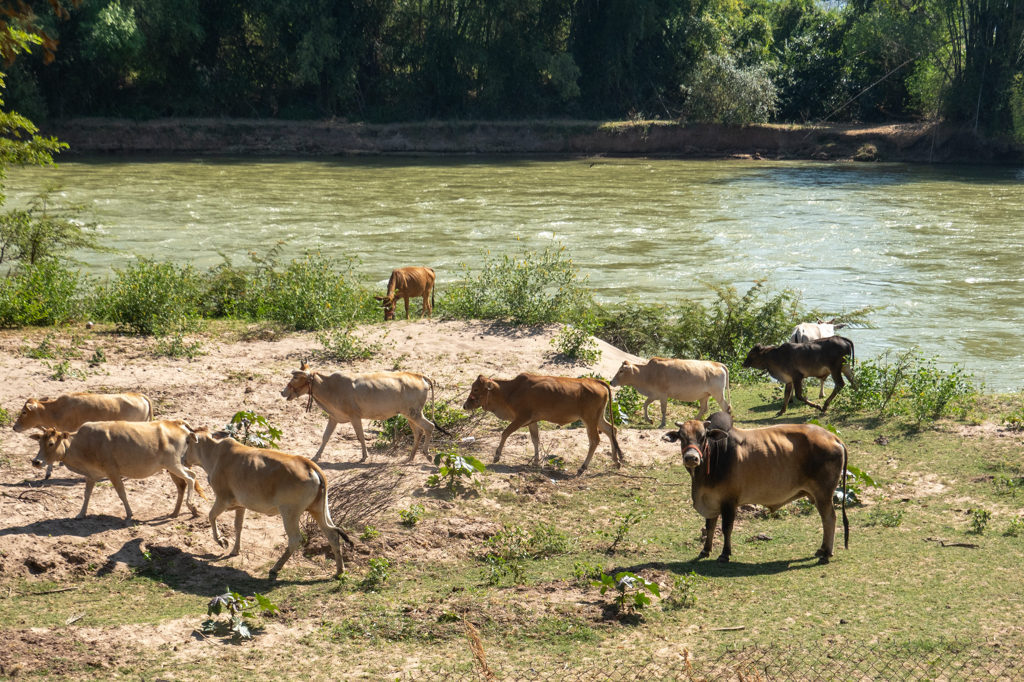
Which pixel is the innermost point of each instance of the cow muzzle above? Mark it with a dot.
(38, 462)
(692, 457)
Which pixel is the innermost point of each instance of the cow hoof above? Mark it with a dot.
(780, 413)
(704, 555)
(723, 559)
(581, 471)
(823, 560)
(272, 576)
(223, 543)
(46, 477)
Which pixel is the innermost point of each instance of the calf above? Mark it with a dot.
(686, 380)
(812, 331)
(113, 450)
(68, 413)
(409, 283)
(267, 482)
(790, 363)
(374, 395)
(772, 466)
(530, 398)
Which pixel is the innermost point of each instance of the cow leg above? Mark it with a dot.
(219, 506)
(179, 483)
(728, 517)
(292, 528)
(517, 423)
(848, 372)
(709, 537)
(357, 426)
(49, 471)
(785, 400)
(426, 430)
(189, 480)
(664, 411)
(700, 415)
(328, 432)
(821, 387)
(535, 437)
(647, 416)
(239, 522)
(837, 378)
(416, 435)
(406, 307)
(595, 440)
(89, 485)
(798, 383)
(426, 303)
(827, 511)
(119, 487)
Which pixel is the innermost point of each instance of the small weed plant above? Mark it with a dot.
(626, 405)
(576, 341)
(888, 518)
(63, 371)
(176, 346)
(1008, 485)
(507, 552)
(979, 521)
(631, 592)
(684, 590)
(411, 516)
(46, 350)
(377, 575)
(455, 471)
(238, 608)
(856, 481)
(584, 574)
(252, 429)
(341, 343)
(547, 540)
(1015, 420)
(98, 357)
(1015, 528)
(623, 525)
(5, 417)
(369, 533)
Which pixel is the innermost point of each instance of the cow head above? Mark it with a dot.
(29, 417)
(389, 306)
(478, 392)
(694, 437)
(299, 384)
(53, 444)
(757, 358)
(626, 373)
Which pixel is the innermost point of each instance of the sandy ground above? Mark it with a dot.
(40, 539)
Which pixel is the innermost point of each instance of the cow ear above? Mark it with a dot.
(671, 437)
(717, 434)
(490, 385)
(192, 438)
(303, 366)
(35, 436)
(31, 406)
(64, 435)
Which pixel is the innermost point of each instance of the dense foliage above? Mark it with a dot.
(734, 62)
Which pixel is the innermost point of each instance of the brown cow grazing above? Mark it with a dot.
(812, 331)
(530, 398)
(791, 363)
(409, 283)
(70, 411)
(114, 449)
(686, 380)
(772, 467)
(373, 395)
(267, 482)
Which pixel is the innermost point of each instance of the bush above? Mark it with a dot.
(249, 428)
(886, 518)
(534, 288)
(721, 91)
(377, 575)
(411, 516)
(455, 470)
(979, 520)
(577, 341)
(684, 591)
(342, 344)
(155, 299)
(43, 294)
(1015, 528)
(904, 383)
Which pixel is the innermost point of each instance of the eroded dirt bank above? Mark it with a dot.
(913, 142)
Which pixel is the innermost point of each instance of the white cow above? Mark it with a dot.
(373, 395)
(812, 331)
(686, 380)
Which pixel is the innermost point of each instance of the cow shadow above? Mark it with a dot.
(82, 528)
(710, 568)
(39, 483)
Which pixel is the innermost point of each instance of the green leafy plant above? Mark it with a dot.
(684, 590)
(5, 417)
(547, 540)
(377, 574)
(455, 470)
(341, 343)
(62, 371)
(1015, 419)
(623, 525)
(631, 591)
(1015, 528)
(176, 346)
(507, 552)
(237, 608)
(369, 533)
(252, 429)
(576, 341)
(583, 573)
(626, 405)
(156, 299)
(98, 357)
(44, 294)
(46, 349)
(979, 520)
(411, 516)
(1008, 485)
(889, 518)
(856, 480)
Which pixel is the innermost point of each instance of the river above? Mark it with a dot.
(938, 250)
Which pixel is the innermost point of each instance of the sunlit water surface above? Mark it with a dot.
(938, 250)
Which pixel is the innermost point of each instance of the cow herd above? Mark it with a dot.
(112, 436)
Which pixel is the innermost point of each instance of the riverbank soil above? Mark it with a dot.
(913, 142)
(91, 598)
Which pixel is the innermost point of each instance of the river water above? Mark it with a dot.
(938, 250)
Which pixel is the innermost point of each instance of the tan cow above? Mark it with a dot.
(70, 411)
(373, 395)
(267, 482)
(113, 450)
(409, 283)
(531, 398)
(686, 380)
(772, 466)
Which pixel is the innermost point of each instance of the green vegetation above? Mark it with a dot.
(377, 574)
(411, 516)
(455, 471)
(631, 591)
(154, 299)
(979, 520)
(237, 608)
(252, 429)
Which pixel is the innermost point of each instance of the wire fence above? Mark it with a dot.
(954, 661)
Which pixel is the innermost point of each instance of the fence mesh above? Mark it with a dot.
(957, 661)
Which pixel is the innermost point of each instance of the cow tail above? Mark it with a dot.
(433, 288)
(150, 403)
(616, 450)
(846, 521)
(728, 389)
(433, 417)
(325, 508)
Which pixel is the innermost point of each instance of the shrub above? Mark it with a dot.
(627, 405)
(577, 341)
(632, 591)
(237, 608)
(1015, 528)
(979, 520)
(583, 573)
(624, 524)
(684, 590)
(252, 429)
(155, 299)
(886, 518)
(340, 343)
(43, 294)
(411, 516)
(377, 575)
(1015, 420)
(721, 91)
(369, 533)
(533, 288)
(547, 541)
(5, 417)
(455, 470)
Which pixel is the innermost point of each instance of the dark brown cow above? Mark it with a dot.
(791, 363)
(409, 283)
(531, 398)
(772, 467)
